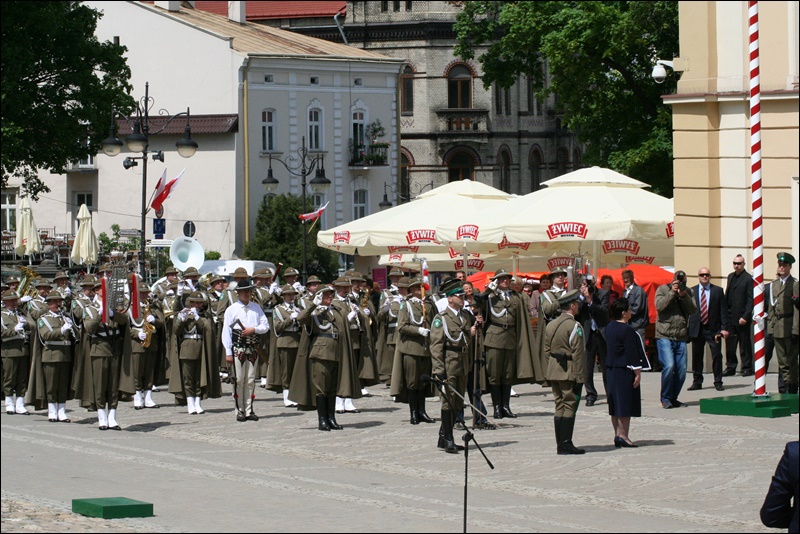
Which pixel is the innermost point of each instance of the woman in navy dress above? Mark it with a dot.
(625, 359)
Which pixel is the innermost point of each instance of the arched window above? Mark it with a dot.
(360, 198)
(268, 139)
(460, 167)
(576, 159)
(459, 88)
(407, 99)
(535, 162)
(504, 162)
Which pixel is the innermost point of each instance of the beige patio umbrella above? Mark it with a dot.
(27, 242)
(84, 250)
(411, 227)
(453, 260)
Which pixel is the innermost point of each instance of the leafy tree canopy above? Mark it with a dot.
(599, 56)
(279, 238)
(59, 84)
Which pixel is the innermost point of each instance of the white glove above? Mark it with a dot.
(180, 289)
(66, 328)
(182, 315)
(293, 315)
(26, 298)
(318, 298)
(760, 320)
(351, 315)
(366, 312)
(424, 332)
(110, 313)
(190, 283)
(22, 320)
(170, 292)
(142, 335)
(492, 286)
(20, 327)
(297, 285)
(273, 288)
(151, 319)
(68, 291)
(196, 315)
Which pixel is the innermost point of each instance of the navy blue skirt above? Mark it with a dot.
(623, 399)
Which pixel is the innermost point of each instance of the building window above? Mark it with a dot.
(459, 88)
(88, 161)
(359, 203)
(314, 129)
(535, 162)
(409, 5)
(268, 140)
(507, 98)
(82, 198)
(8, 210)
(562, 161)
(269, 78)
(407, 88)
(576, 159)
(359, 129)
(384, 6)
(314, 80)
(504, 160)
(396, 5)
(460, 167)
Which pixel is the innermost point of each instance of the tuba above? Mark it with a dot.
(26, 280)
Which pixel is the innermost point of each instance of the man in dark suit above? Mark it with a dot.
(637, 299)
(778, 510)
(739, 296)
(706, 326)
(594, 318)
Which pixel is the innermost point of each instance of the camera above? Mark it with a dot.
(680, 276)
(589, 281)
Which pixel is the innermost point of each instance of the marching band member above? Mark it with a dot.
(287, 333)
(16, 353)
(388, 310)
(82, 368)
(262, 281)
(57, 335)
(244, 321)
(141, 371)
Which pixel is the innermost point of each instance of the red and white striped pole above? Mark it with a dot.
(760, 386)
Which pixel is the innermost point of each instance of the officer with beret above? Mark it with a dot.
(566, 368)
(452, 331)
(782, 317)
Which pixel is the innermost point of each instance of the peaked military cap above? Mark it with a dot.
(60, 275)
(396, 271)
(569, 297)
(452, 287)
(88, 280)
(171, 270)
(342, 281)
(42, 283)
(558, 270)
(313, 279)
(785, 257)
(403, 282)
(191, 271)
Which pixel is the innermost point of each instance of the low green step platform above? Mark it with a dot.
(112, 508)
(775, 405)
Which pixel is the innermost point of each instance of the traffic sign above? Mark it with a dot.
(160, 211)
(189, 229)
(159, 226)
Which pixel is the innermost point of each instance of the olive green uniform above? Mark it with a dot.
(783, 323)
(56, 357)
(106, 346)
(15, 352)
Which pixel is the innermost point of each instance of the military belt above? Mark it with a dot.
(58, 343)
(291, 329)
(104, 334)
(353, 327)
(453, 348)
(784, 315)
(393, 325)
(192, 336)
(329, 336)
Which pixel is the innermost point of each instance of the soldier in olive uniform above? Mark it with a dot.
(287, 340)
(451, 336)
(61, 280)
(345, 305)
(162, 288)
(312, 284)
(198, 377)
(106, 346)
(364, 344)
(262, 285)
(386, 342)
(782, 317)
(412, 357)
(139, 362)
(57, 335)
(16, 353)
(566, 369)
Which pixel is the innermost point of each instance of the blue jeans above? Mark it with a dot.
(672, 357)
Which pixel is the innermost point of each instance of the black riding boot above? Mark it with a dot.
(446, 441)
(557, 426)
(497, 400)
(506, 392)
(322, 413)
(422, 417)
(565, 445)
(331, 403)
(412, 405)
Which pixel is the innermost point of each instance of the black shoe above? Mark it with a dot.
(590, 402)
(619, 442)
(729, 372)
(486, 426)
(678, 404)
(694, 387)
(331, 409)
(252, 417)
(568, 448)
(422, 416)
(103, 428)
(747, 373)
(115, 427)
(138, 407)
(412, 395)
(10, 412)
(241, 418)
(506, 399)
(719, 387)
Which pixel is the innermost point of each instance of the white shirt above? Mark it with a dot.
(250, 316)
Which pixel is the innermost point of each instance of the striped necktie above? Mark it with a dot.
(703, 306)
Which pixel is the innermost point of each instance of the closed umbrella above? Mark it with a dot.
(27, 241)
(84, 250)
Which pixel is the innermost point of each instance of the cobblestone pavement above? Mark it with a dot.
(692, 472)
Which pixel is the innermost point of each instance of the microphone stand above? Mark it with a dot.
(468, 436)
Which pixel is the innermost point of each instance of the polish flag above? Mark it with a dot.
(425, 281)
(160, 185)
(167, 190)
(314, 215)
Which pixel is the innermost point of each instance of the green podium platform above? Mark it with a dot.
(774, 405)
(112, 508)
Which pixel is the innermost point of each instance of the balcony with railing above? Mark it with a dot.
(373, 155)
(463, 122)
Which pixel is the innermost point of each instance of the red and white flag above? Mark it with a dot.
(314, 215)
(160, 185)
(166, 191)
(425, 280)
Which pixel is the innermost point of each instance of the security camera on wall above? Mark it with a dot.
(659, 73)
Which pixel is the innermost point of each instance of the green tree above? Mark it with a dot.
(599, 56)
(59, 84)
(279, 238)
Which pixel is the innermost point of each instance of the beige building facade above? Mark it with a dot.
(711, 123)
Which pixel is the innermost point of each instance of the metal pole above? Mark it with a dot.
(304, 172)
(144, 208)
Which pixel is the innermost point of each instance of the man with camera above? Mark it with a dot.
(675, 304)
(594, 318)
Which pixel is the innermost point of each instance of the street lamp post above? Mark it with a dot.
(301, 165)
(138, 141)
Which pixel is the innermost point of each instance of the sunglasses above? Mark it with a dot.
(738, 263)
(704, 274)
